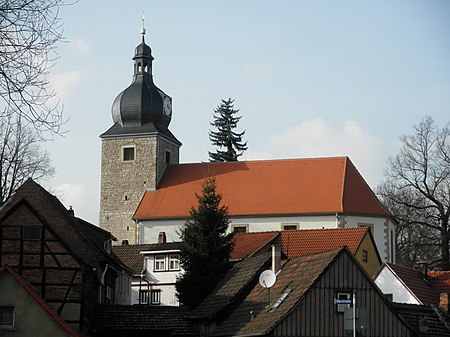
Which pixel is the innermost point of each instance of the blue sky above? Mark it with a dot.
(311, 78)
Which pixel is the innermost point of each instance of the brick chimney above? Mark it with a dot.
(161, 237)
(443, 301)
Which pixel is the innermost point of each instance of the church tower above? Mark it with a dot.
(136, 149)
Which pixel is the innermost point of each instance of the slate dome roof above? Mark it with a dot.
(142, 102)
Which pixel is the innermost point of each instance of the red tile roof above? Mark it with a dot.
(39, 300)
(301, 242)
(249, 244)
(313, 241)
(440, 281)
(272, 187)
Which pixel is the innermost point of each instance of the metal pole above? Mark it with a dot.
(354, 314)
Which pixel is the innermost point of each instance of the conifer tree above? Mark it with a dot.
(205, 248)
(225, 122)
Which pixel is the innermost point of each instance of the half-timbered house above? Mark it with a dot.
(67, 261)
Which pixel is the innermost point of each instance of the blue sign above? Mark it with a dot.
(343, 301)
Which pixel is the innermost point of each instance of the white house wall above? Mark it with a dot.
(390, 284)
(383, 228)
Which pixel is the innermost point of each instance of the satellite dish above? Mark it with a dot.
(267, 279)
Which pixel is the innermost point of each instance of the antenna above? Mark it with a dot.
(266, 280)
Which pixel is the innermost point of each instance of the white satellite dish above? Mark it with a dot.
(267, 279)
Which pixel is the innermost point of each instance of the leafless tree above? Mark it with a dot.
(29, 33)
(21, 157)
(417, 193)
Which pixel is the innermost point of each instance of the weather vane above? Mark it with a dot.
(143, 24)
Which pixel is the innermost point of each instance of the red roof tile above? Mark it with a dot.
(249, 244)
(440, 281)
(292, 186)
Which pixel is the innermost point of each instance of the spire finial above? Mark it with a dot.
(143, 26)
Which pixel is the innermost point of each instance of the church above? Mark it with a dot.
(145, 191)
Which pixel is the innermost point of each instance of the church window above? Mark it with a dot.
(239, 228)
(289, 226)
(128, 153)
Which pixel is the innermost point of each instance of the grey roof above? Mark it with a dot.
(157, 319)
(132, 257)
(236, 281)
(436, 321)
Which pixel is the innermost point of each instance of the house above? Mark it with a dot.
(67, 261)
(293, 243)
(19, 302)
(156, 266)
(145, 190)
(308, 291)
(421, 287)
(155, 269)
(270, 195)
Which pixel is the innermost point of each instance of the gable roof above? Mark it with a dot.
(239, 277)
(269, 187)
(82, 238)
(436, 320)
(311, 241)
(29, 289)
(157, 320)
(299, 242)
(252, 316)
(421, 288)
(250, 244)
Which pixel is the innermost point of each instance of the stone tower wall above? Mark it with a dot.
(123, 183)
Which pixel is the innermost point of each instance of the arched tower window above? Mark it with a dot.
(139, 67)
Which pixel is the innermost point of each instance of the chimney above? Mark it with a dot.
(276, 259)
(124, 242)
(423, 269)
(161, 237)
(71, 211)
(443, 301)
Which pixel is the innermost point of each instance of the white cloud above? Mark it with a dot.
(80, 197)
(65, 82)
(316, 138)
(80, 47)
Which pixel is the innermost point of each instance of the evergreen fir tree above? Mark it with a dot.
(205, 248)
(225, 121)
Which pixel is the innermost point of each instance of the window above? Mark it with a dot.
(289, 226)
(174, 262)
(128, 153)
(159, 262)
(343, 296)
(239, 228)
(365, 255)
(6, 317)
(143, 296)
(31, 233)
(155, 296)
(167, 157)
